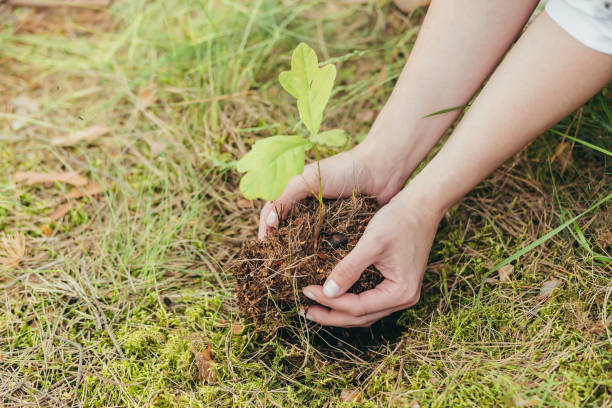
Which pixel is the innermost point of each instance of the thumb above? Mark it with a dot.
(298, 188)
(349, 269)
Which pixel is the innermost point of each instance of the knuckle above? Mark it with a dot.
(344, 271)
(358, 311)
(309, 173)
(376, 242)
(411, 296)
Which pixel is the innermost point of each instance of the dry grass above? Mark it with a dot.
(107, 292)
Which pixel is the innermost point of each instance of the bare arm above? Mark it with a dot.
(460, 43)
(544, 77)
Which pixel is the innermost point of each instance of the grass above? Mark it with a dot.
(106, 305)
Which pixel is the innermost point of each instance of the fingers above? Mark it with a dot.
(348, 270)
(336, 318)
(299, 187)
(386, 295)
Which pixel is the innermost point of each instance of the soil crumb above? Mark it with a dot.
(271, 274)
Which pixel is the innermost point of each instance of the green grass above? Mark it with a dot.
(109, 308)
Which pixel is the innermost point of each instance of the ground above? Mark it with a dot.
(116, 283)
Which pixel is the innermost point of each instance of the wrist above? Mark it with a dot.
(427, 196)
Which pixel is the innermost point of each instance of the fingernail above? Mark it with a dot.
(310, 295)
(309, 316)
(331, 288)
(272, 218)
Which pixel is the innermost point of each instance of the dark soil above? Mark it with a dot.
(271, 274)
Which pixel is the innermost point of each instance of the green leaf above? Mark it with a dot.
(333, 138)
(270, 165)
(309, 84)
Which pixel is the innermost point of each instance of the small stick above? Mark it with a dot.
(58, 3)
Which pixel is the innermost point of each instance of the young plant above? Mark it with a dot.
(273, 161)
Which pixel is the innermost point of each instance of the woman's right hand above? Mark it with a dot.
(355, 170)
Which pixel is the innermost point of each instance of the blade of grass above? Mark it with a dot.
(537, 243)
(605, 108)
(440, 112)
(592, 146)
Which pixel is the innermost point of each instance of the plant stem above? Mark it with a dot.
(320, 199)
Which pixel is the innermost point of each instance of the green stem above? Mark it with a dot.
(320, 199)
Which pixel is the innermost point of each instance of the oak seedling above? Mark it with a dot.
(274, 160)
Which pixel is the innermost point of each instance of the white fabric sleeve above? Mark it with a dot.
(588, 21)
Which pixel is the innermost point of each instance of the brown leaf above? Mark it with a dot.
(90, 189)
(563, 152)
(59, 3)
(350, 395)
(558, 150)
(46, 230)
(204, 361)
(504, 273)
(12, 250)
(548, 287)
(243, 203)
(85, 135)
(33, 177)
(237, 328)
(60, 211)
(146, 96)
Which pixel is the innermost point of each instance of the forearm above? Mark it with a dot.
(458, 46)
(544, 77)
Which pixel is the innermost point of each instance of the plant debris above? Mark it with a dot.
(33, 177)
(271, 274)
(204, 361)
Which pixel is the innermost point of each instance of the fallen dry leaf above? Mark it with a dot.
(204, 361)
(237, 328)
(33, 177)
(59, 3)
(90, 189)
(548, 287)
(86, 135)
(12, 250)
(46, 230)
(61, 211)
(243, 203)
(146, 96)
(563, 152)
(350, 395)
(504, 273)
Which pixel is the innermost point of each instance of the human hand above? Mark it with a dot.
(397, 242)
(363, 169)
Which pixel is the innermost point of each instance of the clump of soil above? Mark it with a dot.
(271, 274)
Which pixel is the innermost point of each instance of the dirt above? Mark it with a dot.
(271, 274)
